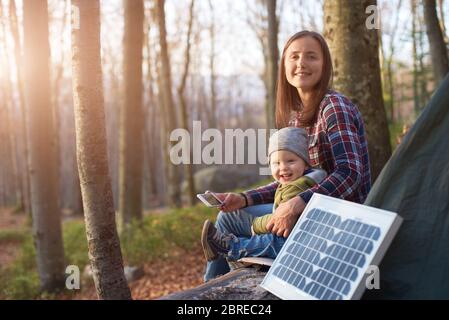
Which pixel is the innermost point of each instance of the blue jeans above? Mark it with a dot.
(239, 224)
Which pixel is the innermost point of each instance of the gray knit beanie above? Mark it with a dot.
(292, 139)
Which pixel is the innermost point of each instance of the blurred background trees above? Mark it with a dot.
(167, 63)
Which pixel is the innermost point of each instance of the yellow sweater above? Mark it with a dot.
(283, 193)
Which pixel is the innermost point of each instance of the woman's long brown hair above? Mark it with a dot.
(287, 97)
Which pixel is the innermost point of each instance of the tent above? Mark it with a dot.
(415, 184)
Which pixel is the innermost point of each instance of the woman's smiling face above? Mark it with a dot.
(304, 63)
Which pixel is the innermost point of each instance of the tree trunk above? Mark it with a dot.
(213, 95)
(438, 51)
(416, 99)
(23, 123)
(422, 72)
(389, 63)
(42, 156)
(442, 24)
(11, 145)
(151, 124)
(132, 117)
(272, 67)
(115, 97)
(7, 104)
(57, 77)
(258, 22)
(355, 56)
(103, 242)
(6, 149)
(188, 167)
(167, 167)
(174, 188)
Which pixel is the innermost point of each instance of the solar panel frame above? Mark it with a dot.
(378, 227)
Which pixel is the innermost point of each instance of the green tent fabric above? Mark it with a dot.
(415, 184)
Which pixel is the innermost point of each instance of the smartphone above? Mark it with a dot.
(209, 199)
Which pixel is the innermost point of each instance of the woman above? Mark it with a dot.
(337, 144)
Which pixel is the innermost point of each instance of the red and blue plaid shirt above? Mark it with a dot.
(338, 145)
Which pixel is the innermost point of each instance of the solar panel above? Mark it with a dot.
(329, 250)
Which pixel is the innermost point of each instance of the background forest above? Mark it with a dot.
(91, 90)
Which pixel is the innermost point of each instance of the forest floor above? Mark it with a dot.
(181, 270)
(160, 278)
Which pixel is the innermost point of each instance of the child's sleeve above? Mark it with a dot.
(260, 224)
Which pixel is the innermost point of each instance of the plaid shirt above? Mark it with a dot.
(338, 145)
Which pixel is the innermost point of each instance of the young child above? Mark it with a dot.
(289, 163)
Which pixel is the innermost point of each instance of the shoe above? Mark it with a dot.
(214, 242)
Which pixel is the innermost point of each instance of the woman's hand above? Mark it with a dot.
(231, 201)
(284, 218)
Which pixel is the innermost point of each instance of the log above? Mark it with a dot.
(239, 284)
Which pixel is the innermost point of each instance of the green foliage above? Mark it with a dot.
(159, 234)
(19, 286)
(20, 280)
(152, 238)
(395, 132)
(12, 236)
(75, 244)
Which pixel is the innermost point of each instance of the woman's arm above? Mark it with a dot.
(347, 153)
(262, 195)
(233, 201)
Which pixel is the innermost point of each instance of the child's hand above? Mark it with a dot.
(231, 201)
(284, 218)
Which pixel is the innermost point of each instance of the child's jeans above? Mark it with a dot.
(239, 224)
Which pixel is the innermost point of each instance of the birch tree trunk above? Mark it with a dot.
(103, 242)
(355, 55)
(132, 117)
(42, 156)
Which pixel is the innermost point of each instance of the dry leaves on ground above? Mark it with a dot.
(182, 272)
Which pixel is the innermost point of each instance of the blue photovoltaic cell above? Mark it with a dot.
(326, 254)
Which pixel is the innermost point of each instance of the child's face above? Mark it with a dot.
(286, 166)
